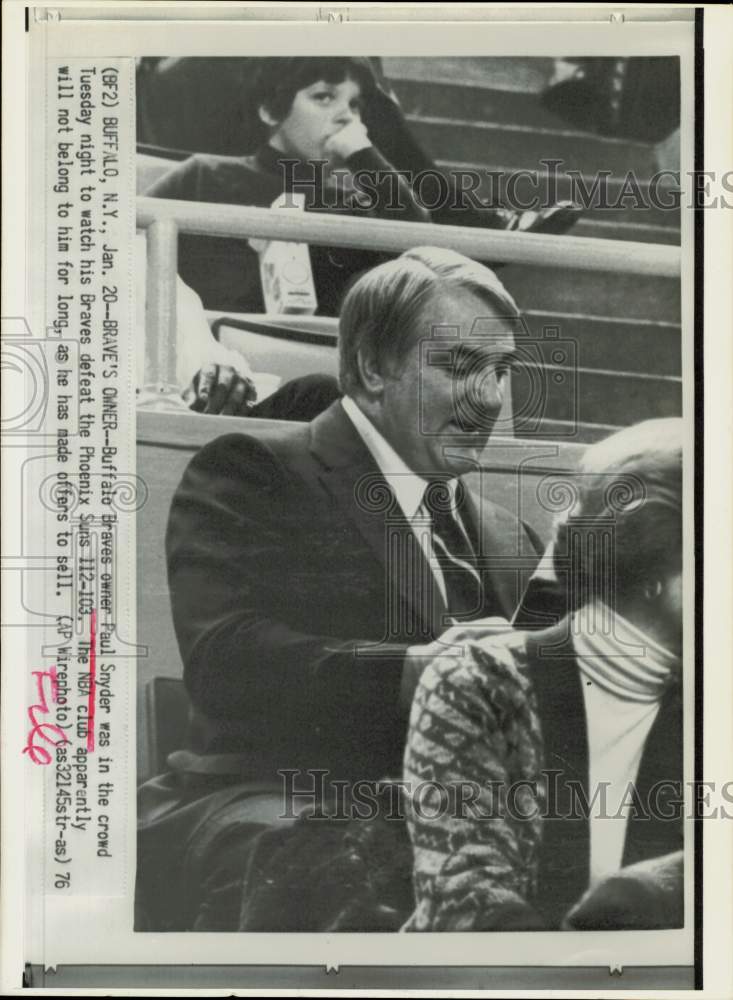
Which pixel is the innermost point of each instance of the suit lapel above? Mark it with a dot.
(565, 856)
(348, 473)
(655, 825)
(493, 544)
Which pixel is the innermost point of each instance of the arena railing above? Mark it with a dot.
(163, 219)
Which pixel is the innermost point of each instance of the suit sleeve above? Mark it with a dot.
(230, 536)
(474, 741)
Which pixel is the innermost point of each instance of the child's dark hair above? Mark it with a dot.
(278, 79)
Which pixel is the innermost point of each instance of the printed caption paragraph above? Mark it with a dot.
(79, 683)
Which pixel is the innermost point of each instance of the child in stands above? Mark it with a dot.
(313, 114)
(315, 144)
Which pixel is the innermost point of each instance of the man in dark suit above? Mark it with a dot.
(295, 588)
(311, 566)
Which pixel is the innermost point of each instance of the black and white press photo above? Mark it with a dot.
(366, 597)
(414, 563)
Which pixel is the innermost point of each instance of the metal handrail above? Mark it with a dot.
(574, 252)
(163, 219)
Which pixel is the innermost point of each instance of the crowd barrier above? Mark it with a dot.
(163, 219)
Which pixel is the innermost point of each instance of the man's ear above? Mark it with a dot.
(266, 117)
(370, 377)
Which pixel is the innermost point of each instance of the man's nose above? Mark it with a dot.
(494, 389)
(482, 396)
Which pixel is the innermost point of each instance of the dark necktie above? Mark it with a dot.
(453, 550)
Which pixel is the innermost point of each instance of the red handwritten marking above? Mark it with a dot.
(41, 754)
(92, 703)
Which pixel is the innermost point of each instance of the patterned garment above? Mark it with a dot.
(474, 734)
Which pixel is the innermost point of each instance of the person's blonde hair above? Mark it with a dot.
(625, 528)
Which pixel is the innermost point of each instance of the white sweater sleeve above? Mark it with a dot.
(195, 344)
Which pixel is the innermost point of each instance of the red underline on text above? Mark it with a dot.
(92, 703)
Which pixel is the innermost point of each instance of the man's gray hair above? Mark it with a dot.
(381, 313)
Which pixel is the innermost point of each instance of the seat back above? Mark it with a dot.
(283, 345)
(167, 708)
(149, 169)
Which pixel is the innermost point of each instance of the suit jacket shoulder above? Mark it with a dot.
(273, 594)
(507, 551)
(493, 518)
(219, 479)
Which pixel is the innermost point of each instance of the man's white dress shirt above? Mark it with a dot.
(408, 488)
